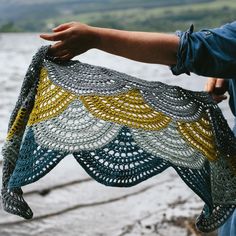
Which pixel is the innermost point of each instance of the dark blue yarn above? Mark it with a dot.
(149, 165)
(34, 162)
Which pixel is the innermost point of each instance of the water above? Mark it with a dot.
(96, 210)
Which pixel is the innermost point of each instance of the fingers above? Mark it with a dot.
(57, 47)
(60, 51)
(216, 87)
(220, 83)
(59, 54)
(220, 87)
(219, 98)
(59, 32)
(63, 27)
(210, 85)
(66, 57)
(54, 36)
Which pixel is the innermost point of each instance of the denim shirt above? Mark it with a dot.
(209, 52)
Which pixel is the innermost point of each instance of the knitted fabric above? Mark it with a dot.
(122, 130)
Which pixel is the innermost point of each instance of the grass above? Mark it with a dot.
(168, 18)
(143, 16)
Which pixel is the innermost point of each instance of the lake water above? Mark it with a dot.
(115, 217)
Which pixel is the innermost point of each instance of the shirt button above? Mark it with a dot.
(207, 33)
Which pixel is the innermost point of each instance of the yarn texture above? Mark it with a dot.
(122, 130)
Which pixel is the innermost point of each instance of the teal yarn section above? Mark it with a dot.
(122, 163)
(34, 162)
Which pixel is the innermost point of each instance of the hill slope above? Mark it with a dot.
(150, 15)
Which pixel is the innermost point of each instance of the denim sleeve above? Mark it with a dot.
(209, 52)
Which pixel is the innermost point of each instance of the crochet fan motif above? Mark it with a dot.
(122, 130)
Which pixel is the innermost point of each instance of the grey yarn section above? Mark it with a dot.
(84, 79)
(179, 104)
(169, 145)
(28, 88)
(223, 183)
(11, 149)
(74, 130)
(12, 200)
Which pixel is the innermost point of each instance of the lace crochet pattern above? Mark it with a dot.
(122, 130)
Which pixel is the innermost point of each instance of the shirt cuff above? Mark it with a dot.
(179, 68)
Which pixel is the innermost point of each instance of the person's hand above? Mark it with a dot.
(72, 39)
(217, 87)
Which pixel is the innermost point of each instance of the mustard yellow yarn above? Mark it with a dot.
(18, 123)
(199, 134)
(127, 109)
(51, 100)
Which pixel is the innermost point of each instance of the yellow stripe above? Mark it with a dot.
(18, 124)
(51, 100)
(127, 109)
(200, 136)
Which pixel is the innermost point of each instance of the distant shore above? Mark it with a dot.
(152, 15)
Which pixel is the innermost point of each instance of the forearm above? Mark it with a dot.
(146, 47)
(75, 38)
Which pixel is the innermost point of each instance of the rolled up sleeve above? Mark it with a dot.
(209, 52)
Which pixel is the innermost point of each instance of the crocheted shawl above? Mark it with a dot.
(122, 130)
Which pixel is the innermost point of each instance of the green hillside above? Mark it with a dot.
(148, 15)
